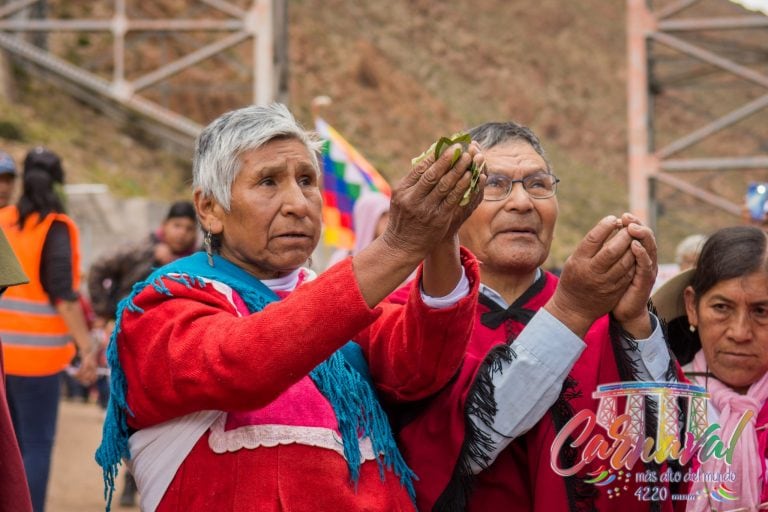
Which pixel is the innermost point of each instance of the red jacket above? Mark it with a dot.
(191, 352)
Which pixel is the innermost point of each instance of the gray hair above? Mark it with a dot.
(221, 143)
(690, 246)
(492, 134)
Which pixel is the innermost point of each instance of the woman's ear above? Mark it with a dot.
(689, 297)
(209, 212)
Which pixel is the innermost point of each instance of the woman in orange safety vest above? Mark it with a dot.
(40, 320)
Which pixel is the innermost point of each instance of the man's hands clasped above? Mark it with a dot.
(611, 271)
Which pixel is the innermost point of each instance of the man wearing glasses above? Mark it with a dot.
(539, 349)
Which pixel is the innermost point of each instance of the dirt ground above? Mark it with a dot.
(75, 483)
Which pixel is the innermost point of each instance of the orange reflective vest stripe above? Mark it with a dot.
(35, 338)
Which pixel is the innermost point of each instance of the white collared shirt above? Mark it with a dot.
(546, 350)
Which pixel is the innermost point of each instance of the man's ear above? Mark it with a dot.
(210, 212)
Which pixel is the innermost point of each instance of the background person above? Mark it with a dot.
(686, 255)
(369, 220)
(112, 276)
(724, 305)
(371, 215)
(7, 178)
(687, 251)
(235, 397)
(40, 320)
(539, 349)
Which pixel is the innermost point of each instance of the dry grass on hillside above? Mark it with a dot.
(92, 147)
(404, 72)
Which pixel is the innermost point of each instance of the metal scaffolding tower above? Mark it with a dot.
(205, 30)
(651, 31)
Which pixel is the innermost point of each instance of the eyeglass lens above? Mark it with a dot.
(539, 185)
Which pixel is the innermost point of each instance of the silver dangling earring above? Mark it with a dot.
(208, 246)
(692, 328)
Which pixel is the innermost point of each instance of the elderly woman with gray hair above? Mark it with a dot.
(242, 381)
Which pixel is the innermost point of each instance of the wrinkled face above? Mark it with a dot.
(513, 235)
(275, 216)
(732, 320)
(6, 188)
(180, 234)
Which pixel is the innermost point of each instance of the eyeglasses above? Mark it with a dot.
(540, 185)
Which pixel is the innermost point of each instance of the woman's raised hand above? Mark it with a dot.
(424, 218)
(426, 206)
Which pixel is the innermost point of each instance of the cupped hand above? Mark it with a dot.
(87, 372)
(425, 207)
(632, 308)
(595, 277)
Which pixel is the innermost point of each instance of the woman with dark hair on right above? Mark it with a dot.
(39, 320)
(718, 319)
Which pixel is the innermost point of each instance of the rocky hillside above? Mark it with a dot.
(403, 72)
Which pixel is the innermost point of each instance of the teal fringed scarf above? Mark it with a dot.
(343, 378)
